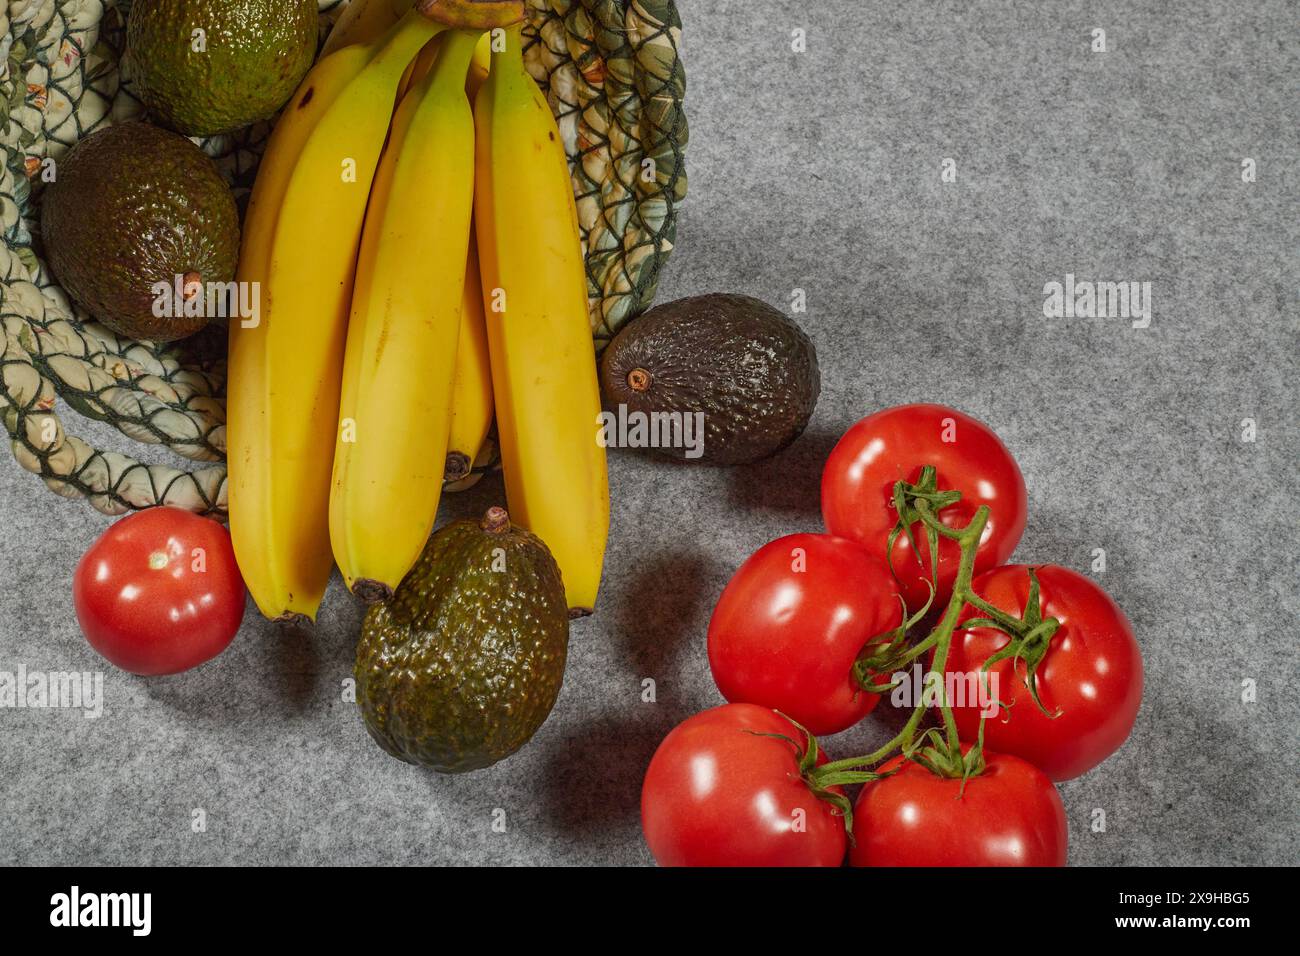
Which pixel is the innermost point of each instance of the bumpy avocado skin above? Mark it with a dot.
(750, 369)
(462, 665)
(132, 205)
(255, 53)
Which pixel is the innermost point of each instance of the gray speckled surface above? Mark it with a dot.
(821, 171)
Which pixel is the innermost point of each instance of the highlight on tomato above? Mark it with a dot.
(1007, 814)
(858, 492)
(731, 787)
(159, 592)
(1087, 672)
(791, 623)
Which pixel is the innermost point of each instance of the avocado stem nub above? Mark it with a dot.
(191, 285)
(495, 520)
(639, 379)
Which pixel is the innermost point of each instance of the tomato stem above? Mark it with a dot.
(942, 753)
(968, 538)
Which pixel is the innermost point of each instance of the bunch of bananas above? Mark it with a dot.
(419, 264)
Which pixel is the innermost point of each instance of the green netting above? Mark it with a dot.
(611, 73)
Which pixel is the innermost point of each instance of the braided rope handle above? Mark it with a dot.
(613, 77)
(610, 71)
(60, 82)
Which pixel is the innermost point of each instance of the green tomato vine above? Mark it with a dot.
(938, 749)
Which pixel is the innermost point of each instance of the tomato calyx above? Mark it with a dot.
(821, 779)
(891, 652)
(888, 653)
(1031, 635)
(913, 501)
(943, 757)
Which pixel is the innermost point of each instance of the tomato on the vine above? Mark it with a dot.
(1090, 676)
(893, 445)
(792, 621)
(1008, 815)
(159, 592)
(725, 788)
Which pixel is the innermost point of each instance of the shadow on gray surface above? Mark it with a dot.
(285, 660)
(1186, 783)
(890, 720)
(472, 502)
(591, 784)
(789, 482)
(665, 604)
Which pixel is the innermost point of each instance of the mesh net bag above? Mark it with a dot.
(610, 70)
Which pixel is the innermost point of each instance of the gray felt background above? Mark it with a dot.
(821, 171)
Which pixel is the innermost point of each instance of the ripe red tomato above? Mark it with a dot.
(1009, 815)
(159, 592)
(717, 793)
(893, 445)
(791, 622)
(1091, 674)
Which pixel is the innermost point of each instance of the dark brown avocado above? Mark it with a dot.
(748, 368)
(133, 206)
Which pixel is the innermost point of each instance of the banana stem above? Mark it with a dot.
(406, 37)
(452, 64)
(472, 14)
(510, 58)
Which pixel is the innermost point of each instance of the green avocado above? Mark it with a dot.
(459, 668)
(132, 206)
(204, 67)
(747, 368)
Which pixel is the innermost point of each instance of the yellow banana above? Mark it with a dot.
(478, 69)
(313, 97)
(471, 395)
(539, 339)
(479, 66)
(419, 68)
(300, 242)
(395, 409)
(471, 401)
(363, 22)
